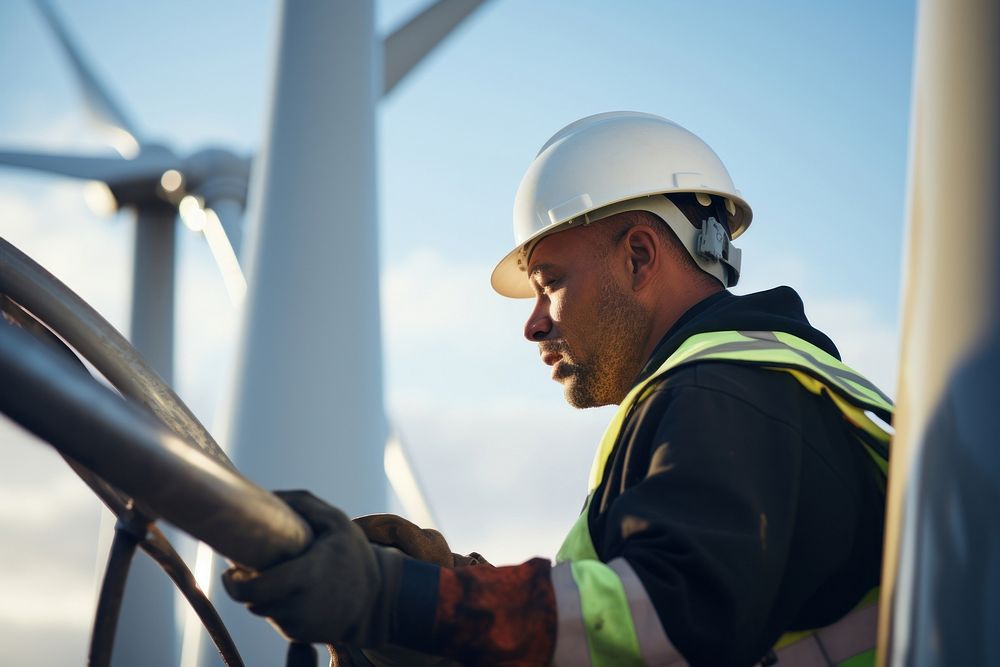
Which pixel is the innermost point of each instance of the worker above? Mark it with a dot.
(734, 512)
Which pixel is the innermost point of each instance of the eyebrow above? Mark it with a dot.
(539, 268)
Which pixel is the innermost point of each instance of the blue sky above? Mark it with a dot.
(806, 103)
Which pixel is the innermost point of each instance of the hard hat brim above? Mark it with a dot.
(510, 276)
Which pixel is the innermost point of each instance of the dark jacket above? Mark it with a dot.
(740, 499)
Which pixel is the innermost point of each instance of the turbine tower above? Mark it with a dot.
(308, 405)
(315, 259)
(209, 188)
(941, 575)
(156, 183)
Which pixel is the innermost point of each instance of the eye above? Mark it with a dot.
(545, 279)
(549, 284)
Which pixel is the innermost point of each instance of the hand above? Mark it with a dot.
(423, 544)
(390, 530)
(338, 590)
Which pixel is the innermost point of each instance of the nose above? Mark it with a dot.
(539, 324)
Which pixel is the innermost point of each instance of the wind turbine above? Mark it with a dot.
(208, 187)
(308, 404)
(332, 70)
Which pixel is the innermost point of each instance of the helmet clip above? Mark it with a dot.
(713, 241)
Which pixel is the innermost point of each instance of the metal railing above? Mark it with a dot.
(135, 444)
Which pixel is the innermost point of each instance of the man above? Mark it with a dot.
(737, 495)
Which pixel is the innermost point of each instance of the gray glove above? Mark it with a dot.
(340, 589)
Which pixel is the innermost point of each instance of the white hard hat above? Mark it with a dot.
(621, 161)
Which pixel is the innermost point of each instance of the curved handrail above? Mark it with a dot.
(135, 528)
(157, 547)
(62, 310)
(127, 447)
(46, 297)
(102, 638)
(117, 444)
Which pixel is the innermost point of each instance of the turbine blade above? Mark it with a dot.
(405, 483)
(100, 103)
(409, 44)
(110, 170)
(220, 244)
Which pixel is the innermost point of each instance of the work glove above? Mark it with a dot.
(340, 589)
(424, 544)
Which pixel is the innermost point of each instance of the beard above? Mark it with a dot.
(607, 375)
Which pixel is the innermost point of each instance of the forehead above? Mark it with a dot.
(564, 248)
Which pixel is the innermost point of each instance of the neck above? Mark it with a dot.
(672, 306)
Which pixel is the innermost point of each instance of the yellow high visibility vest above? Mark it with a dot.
(609, 628)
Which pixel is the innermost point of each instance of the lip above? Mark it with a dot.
(550, 358)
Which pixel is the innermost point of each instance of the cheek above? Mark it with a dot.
(569, 316)
(558, 307)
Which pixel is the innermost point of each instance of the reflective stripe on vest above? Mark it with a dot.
(770, 349)
(603, 621)
(850, 642)
(592, 629)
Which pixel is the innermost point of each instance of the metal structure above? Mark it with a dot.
(139, 449)
(156, 183)
(210, 186)
(941, 582)
(118, 441)
(209, 190)
(313, 266)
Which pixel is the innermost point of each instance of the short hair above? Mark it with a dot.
(677, 251)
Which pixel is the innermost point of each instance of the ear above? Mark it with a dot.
(644, 255)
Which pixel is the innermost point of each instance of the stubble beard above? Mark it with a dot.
(607, 376)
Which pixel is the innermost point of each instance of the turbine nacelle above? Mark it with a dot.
(160, 177)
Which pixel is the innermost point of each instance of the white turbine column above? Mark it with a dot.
(146, 634)
(308, 410)
(152, 322)
(941, 592)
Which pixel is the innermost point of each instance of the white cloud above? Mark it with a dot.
(49, 222)
(503, 458)
(866, 333)
(49, 521)
(867, 339)
(36, 489)
(428, 300)
(506, 478)
(451, 340)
